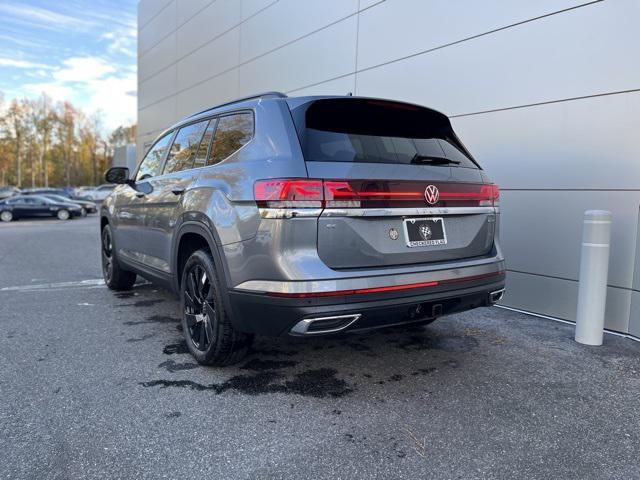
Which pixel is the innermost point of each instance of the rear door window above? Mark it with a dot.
(184, 148)
(232, 133)
(377, 131)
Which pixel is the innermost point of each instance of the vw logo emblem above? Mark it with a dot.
(431, 194)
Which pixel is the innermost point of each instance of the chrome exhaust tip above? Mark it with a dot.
(496, 296)
(321, 325)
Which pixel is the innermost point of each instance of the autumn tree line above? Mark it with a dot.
(54, 144)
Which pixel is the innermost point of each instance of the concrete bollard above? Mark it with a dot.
(594, 270)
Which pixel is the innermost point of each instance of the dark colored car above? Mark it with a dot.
(45, 191)
(23, 206)
(89, 207)
(305, 216)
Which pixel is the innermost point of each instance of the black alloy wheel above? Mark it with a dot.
(107, 255)
(115, 277)
(199, 308)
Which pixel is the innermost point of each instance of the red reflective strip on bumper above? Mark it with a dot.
(472, 277)
(392, 288)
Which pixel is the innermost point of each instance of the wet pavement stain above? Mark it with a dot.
(319, 383)
(258, 365)
(142, 303)
(175, 348)
(153, 319)
(274, 352)
(124, 294)
(447, 344)
(141, 339)
(172, 366)
(357, 346)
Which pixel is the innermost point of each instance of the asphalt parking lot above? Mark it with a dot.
(99, 385)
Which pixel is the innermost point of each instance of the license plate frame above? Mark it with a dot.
(418, 240)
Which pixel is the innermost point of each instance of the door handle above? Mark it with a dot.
(177, 190)
(140, 194)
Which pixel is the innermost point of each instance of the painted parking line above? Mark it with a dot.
(92, 283)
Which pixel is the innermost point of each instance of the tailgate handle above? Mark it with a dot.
(177, 190)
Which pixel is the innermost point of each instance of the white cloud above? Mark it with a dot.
(57, 92)
(93, 84)
(42, 18)
(121, 41)
(15, 63)
(82, 69)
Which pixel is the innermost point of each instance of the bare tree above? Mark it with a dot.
(15, 118)
(90, 139)
(43, 118)
(66, 134)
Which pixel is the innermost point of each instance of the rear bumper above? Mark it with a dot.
(265, 314)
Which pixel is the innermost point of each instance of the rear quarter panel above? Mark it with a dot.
(224, 192)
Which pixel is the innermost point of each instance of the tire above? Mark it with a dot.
(210, 336)
(115, 277)
(63, 214)
(6, 216)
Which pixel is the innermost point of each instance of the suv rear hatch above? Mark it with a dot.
(398, 187)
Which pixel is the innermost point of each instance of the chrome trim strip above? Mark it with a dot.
(355, 283)
(302, 327)
(289, 212)
(401, 212)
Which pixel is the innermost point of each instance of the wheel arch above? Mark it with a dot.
(190, 237)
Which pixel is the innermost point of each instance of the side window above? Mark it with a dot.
(203, 149)
(151, 162)
(184, 148)
(233, 132)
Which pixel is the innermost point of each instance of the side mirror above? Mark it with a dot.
(117, 175)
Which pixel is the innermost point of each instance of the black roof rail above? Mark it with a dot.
(250, 97)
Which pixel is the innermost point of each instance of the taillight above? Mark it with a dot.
(491, 194)
(313, 193)
(288, 193)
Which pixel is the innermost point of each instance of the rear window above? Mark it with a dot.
(377, 131)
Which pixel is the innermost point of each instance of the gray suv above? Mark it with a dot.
(305, 216)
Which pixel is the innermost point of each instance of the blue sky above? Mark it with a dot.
(78, 50)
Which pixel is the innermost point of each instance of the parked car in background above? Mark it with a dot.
(46, 191)
(305, 216)
(89, 207)
(97, 194)
(6, 192)
(78, 192)
(23, 206)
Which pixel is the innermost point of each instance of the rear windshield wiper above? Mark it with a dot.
(417, 158)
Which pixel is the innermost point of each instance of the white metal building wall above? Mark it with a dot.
(545, 93)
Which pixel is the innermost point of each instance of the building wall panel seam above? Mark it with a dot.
(201, 46)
